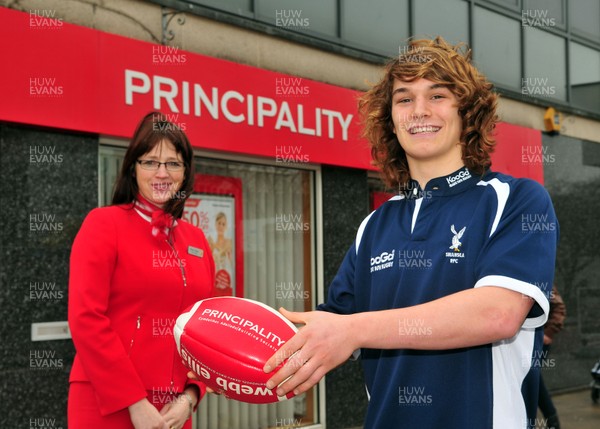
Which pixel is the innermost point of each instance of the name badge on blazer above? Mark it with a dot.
(195, 251)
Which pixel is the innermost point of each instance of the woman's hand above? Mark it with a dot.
(326, 341)
(145, 416)
(194, 376)
(177, 412)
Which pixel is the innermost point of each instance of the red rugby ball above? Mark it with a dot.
(226, 341)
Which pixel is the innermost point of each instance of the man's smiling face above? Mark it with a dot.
(426, 120)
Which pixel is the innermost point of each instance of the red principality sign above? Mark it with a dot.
(77, 78)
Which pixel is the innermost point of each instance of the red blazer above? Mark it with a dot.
(126, 288)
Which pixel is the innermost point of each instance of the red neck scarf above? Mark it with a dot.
(162, 223)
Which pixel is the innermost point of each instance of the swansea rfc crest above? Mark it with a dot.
(456, 243)
(456, 254)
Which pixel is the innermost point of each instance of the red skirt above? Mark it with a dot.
(83, 411)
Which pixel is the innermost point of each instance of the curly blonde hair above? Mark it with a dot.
(445, 64)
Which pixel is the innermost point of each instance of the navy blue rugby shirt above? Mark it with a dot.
(462, 231)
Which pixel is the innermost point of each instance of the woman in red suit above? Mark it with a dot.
(135, 266)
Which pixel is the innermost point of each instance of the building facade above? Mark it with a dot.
(267, 90)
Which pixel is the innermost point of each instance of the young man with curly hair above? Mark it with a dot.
(445, 289)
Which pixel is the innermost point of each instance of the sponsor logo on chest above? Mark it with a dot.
(383, 261)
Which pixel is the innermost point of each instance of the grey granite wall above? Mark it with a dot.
(345, 205)
(572, 177)
(49, 183)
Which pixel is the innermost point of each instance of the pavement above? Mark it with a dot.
(575, 410)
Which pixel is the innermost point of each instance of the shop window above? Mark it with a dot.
(584, 73)
(110, 159)
(381, 27)
(446, 18)
(497, 47)
(312, 17)
(278, 264)
(544, 13)
(278, 260)
(545, 65)
(584, 18)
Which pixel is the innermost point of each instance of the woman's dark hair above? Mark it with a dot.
(153, 129)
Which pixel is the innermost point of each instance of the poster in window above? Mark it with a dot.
(216, 208)
(215, 215)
